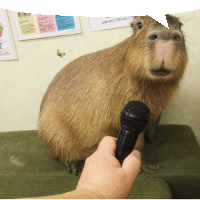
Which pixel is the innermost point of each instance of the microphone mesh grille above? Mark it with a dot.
(135, 115)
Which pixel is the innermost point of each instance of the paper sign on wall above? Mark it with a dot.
(31, 26)
(102, 23)
(7, 49)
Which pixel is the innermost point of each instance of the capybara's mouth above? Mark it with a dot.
(160, 72)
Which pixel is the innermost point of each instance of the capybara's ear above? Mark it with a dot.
(173, 21)
(136, 20)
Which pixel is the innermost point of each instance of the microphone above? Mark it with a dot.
(134, 119)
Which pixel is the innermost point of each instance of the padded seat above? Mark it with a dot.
(26, 170)
(179, 159)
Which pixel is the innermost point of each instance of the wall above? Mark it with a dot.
(185, 107)
(24, 81)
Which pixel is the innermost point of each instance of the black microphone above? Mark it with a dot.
(134, 119)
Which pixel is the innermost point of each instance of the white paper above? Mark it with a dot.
(30, 26)
(102, 23)
(7, 49)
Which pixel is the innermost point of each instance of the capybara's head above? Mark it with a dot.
(158, 52)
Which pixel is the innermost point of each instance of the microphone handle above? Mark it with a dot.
(125, 143)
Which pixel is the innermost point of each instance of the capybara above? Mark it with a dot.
(84, 101)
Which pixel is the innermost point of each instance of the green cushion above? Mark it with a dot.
(179, 159)
(150, 188)
(26, 170)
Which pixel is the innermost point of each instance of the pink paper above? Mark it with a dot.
(46, 23)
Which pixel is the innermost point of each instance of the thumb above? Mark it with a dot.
(132, 164)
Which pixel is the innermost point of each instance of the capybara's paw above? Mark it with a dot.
(75, 167)
(149, 167)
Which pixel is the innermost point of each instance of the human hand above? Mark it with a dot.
(104, 174)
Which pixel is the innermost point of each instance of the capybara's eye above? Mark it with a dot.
(180, 24)
(139, 25)
(177, 37)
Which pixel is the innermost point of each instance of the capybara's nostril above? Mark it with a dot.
(177, 37)
(153, 36)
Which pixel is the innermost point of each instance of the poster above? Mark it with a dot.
(7, 49)
(30, 26)
(102, 23)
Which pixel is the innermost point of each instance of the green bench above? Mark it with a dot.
(26, 170)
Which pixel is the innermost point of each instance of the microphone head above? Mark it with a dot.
(135, 116)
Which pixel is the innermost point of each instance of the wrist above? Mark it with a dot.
(86, 193)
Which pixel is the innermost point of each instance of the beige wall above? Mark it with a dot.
(185, 107)
(24, 81)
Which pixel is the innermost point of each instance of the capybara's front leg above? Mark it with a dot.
(151, 135)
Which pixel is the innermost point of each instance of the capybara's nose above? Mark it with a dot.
(164, 35)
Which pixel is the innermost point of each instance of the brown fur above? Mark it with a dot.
(84, 101)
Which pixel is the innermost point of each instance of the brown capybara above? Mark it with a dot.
(84, 101)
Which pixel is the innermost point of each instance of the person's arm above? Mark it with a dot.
(103, 176)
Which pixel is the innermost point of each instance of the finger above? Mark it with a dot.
(108, 145)
(132, 164)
